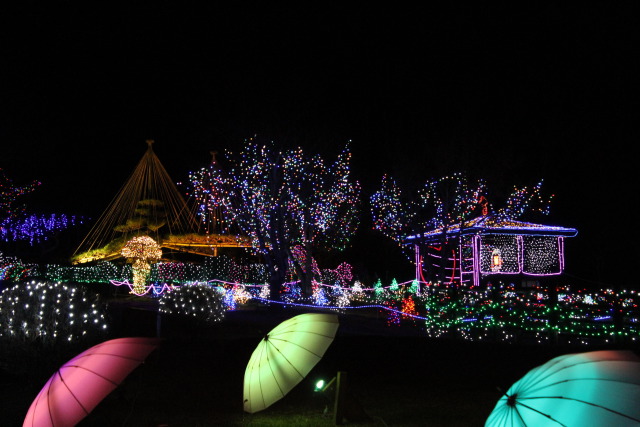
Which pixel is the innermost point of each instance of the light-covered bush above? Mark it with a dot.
(199, 301)
(49, 312)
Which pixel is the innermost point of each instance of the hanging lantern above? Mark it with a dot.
(496, 260)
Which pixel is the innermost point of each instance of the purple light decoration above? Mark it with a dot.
(156, 290)
(35, 228)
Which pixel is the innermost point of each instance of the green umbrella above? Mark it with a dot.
(285, 356)
(597, 388)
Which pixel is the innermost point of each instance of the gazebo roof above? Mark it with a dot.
(490, 224)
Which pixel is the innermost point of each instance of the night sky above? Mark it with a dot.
(512, 94)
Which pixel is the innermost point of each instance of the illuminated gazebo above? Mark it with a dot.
(474, 251)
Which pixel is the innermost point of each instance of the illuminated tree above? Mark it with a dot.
(9, 192)
(408, 307)
(450, 200)
(445, 203)
(393, 287)
(391, 211)
(524, 200)
(141, 251)
(207, 188)
(283, 200)
(438, 203)
(378, 291)
(414, 288)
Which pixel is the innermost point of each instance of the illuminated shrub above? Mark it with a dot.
(49, 312)
(200, 302)
(14, 270)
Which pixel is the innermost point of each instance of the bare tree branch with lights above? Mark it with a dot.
(284, 200)
(447, 202)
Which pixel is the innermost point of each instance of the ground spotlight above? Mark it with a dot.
(322, 386)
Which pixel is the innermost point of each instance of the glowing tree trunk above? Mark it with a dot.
(141, 252)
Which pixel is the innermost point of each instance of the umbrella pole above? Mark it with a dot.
(341, 398)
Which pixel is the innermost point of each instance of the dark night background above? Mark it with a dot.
(512, 94)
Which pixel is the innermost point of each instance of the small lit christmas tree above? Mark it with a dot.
(393, 287)
(409, 307)
(378, 290)
(415, 287)
(319, 297)
(356, 291)
(264, 291)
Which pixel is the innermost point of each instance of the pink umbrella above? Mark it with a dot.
(81, 383)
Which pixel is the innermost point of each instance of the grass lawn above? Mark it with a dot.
(396, 376)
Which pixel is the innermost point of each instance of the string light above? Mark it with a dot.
(499, 312)
(199, 301)
(35, 228)
(16, 225)
(49, 312)
(9, 193)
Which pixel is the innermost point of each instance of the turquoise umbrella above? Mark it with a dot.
(598, 388)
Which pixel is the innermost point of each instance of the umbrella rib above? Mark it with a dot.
(112, 355)
(511, 415)
(302, 332)
(71, 392)
(271, 369)
(257, 373)
(576, 379)
(295, 327)
(93, 372)
(517, 411)
(266, 353)
(539, 412)
(33, 418)
(582, 401)
(543, 372)
(554, 369)
(288, 361)
(297, 345)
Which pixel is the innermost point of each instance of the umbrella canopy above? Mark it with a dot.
(598, 388)
(285, 356)
(80, 384)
